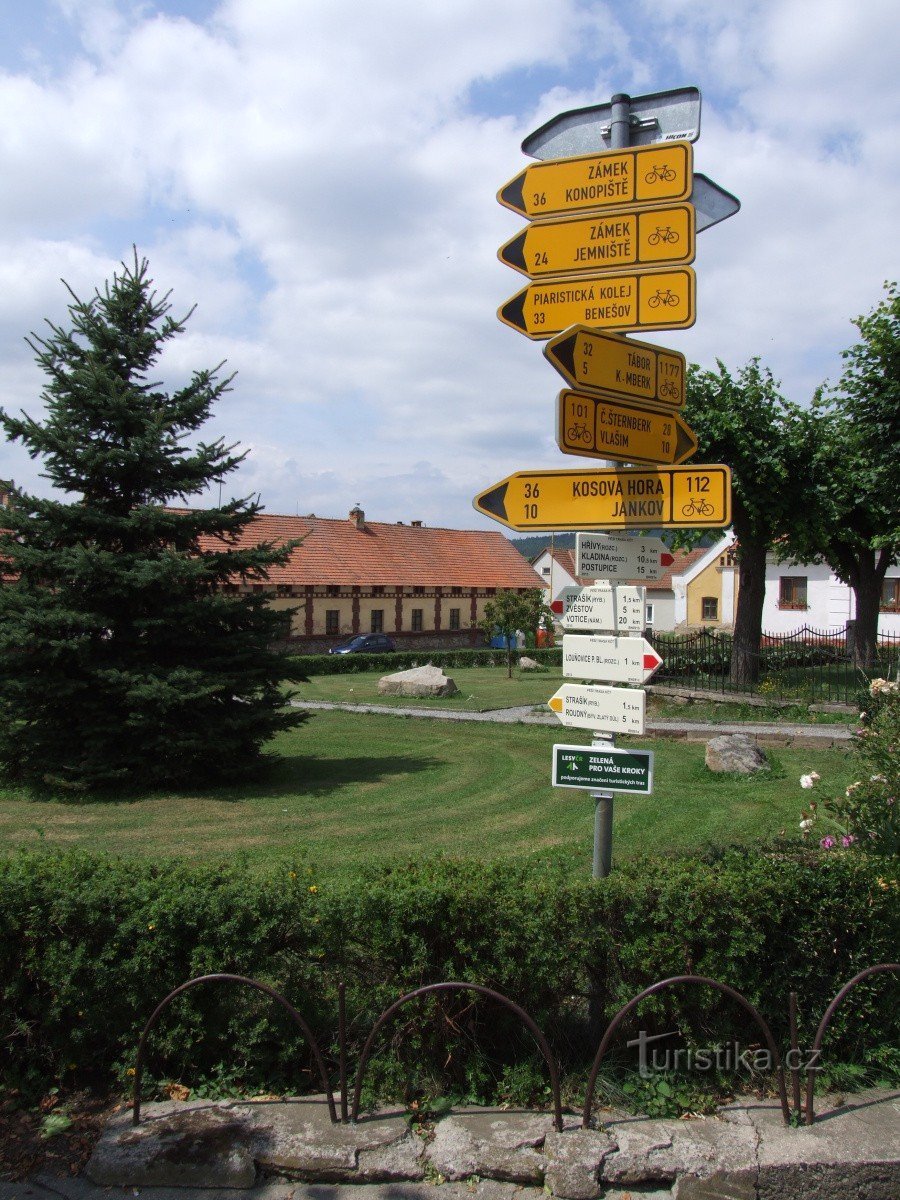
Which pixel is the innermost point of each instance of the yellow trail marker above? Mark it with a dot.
(593, 361)
(633, 300)
(603, 242)
(608, 179)
(689, 497)
(625, 430)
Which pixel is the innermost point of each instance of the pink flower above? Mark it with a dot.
(847, 840)
(827, 842)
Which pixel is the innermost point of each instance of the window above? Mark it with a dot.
(417, 620)
(890, 595)
(792, 591)
(454, 618)
(333, 589)
(545, 570)
(456, 591)
(332, 620)
(378, 620)
(378, 589)
(648, 615)
(710, 608)
(418, 590)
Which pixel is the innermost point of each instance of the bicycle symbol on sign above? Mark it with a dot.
(663, 174)
(662, 297)
(664, 233)
(697, 507)
(579, 433)
(668, 388)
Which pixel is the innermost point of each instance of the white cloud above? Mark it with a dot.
(316, 177)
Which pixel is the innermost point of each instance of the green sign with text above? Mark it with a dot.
(604, 769)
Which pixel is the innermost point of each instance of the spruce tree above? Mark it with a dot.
(124, 661)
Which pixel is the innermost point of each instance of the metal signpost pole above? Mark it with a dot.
(619, 138)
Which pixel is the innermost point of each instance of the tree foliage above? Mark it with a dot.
(744, 421)
(512, 611)
(123, 660)
(853, 510)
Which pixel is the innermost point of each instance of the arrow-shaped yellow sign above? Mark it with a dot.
(628, 237)
(693, 497)
(592, 360)
(624, 430)
(635, 299)
(610, 178)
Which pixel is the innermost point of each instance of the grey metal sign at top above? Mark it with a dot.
(658, 117)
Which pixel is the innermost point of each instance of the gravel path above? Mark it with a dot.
(530, 715)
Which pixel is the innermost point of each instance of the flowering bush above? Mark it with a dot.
(866, 815)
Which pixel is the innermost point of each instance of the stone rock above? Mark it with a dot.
(418, 681)
(661, 1151)
(186, 1146)
(724, 1185)
(735, 753)
(573, 1162)
(528, 664)
(502, 1146)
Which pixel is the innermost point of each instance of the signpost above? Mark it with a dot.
(612, 234)
(656, 117)
(691, 497)
(601, 606)
(612, 365)
(602, 179)
(630, 300)
(605, 767)
(604, 709)
(624, 430)
(600, 555)
(644, 237)
(609, 659)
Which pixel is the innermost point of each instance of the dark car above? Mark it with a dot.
(364, 643)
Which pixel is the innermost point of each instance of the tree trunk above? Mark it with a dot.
(867, 582)
(748, 619)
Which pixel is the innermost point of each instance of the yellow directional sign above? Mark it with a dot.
(618, 366)
(633, 300)
(692, 497)
(597, 427)
(603, 242)
(607, 179)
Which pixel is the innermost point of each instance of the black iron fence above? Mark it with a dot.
(812, 666)
(793, 1064)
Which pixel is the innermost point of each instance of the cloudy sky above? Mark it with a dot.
(319, 177)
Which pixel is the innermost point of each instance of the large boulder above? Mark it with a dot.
(418, 681)
(735, 754)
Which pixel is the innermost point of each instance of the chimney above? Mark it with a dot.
(358, 517)
(416, 524)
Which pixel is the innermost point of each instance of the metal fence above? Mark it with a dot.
(811, 666)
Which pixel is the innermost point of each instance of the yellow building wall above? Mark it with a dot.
(707, 583)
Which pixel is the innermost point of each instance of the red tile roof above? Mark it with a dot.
(337, 552)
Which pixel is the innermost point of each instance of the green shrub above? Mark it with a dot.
(401, 660)
(89, 944)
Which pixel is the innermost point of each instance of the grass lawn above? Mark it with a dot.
(354, 789)
(485, 688)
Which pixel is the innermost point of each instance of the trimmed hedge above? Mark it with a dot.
(401, 660)
(90, 943)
